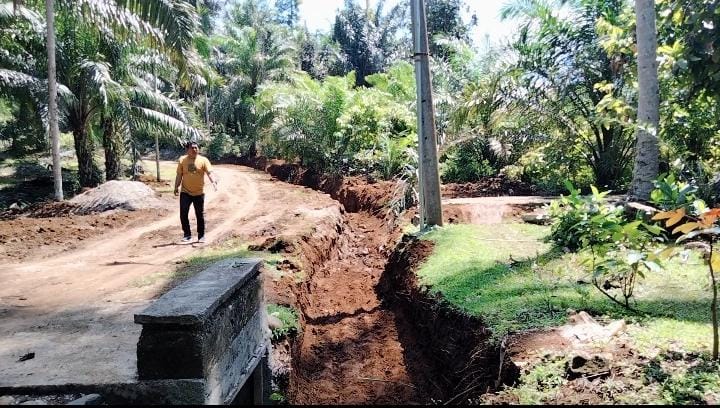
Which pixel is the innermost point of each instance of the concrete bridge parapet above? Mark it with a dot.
(210, 330)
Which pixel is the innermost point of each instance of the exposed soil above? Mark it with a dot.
(371, 336)
(491, 210)
(35, 237)
(466, 362)
(489, 187)
(351, 349)
(625, 371)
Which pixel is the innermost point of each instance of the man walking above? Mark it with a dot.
(191, 171)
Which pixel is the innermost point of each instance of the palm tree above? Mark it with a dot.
(647, 151)
(52, 100)
(87, 30)
(561, 60)
(250, 54)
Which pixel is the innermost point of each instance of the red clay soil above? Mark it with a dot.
(360, 343)
(488, 187)
(455, 345)
(352, 350)
(356, 193)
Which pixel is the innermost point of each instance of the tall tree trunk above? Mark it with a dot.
(647, 150)
(88, 172)
(112, 144)
(53, 128)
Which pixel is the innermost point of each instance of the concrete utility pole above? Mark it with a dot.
(430, 201)
(53, 128)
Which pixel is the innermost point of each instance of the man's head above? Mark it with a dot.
(192, 149)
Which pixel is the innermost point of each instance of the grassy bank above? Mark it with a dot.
(510, 277)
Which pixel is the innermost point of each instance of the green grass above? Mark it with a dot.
(541, 381)
(289, 318)
(471, 266)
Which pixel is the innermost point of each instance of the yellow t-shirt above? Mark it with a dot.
(193, 174)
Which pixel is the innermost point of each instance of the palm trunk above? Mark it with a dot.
(113, 146)
(88, 172)
(647, 150)
(53, 129)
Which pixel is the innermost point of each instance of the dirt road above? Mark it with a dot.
(74, 309)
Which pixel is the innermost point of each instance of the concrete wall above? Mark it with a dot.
(213, 329)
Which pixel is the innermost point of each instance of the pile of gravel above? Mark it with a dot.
(117, 194)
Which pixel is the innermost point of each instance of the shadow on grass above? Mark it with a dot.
(33, 186)
(684, 378)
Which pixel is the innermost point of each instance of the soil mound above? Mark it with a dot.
(489, 187)
(117, 194)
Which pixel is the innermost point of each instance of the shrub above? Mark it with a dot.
(671, 193)
(221, 145)
(547, 169)
(618, 250)
(583, 221)
(467, 162)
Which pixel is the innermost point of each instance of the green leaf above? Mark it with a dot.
(653, 229)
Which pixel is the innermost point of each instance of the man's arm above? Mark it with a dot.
(178, 180)
(208, 171)
(178, 176)
(212, 180)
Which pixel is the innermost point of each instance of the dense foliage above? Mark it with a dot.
(556, 101)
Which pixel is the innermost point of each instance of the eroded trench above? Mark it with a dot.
(369, 333)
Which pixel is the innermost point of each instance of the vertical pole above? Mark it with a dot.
(430, 200)
(157, 138)
(53, 128)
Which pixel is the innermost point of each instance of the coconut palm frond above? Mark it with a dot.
(15, 79)
(112, 13)
(163, 121)
(98, 74)
(144, 97)
(10, 12)
(177, 19)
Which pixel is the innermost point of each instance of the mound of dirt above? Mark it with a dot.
(116, 194)
(489, 187)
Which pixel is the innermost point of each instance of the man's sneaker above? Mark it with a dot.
(201, 240)
(186, 240)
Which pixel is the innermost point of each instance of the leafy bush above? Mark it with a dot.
(288, 317)
(583, 221)
(331, 126)
(618, 249)
(467, 162)
(547, 169)
(670, 193)
(221, 145)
